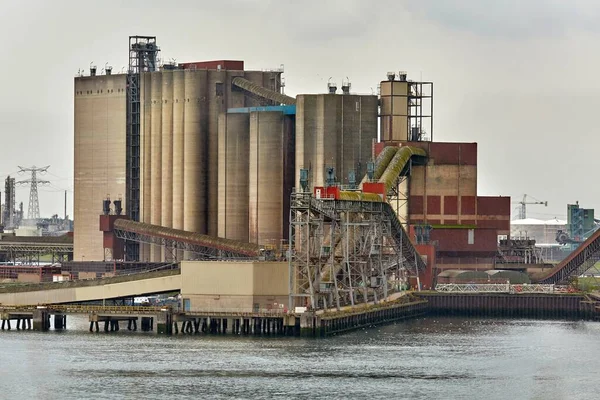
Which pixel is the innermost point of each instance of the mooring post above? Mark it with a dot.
(40, 318)
(164, 322)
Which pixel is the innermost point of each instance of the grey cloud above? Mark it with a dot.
(513, 19)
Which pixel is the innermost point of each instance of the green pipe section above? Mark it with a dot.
(360, 196)
(382, 161)
(395, 167)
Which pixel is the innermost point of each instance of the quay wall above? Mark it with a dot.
(531, 305)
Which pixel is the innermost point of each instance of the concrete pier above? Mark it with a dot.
(321, 324)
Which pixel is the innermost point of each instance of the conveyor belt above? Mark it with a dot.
(262, 92)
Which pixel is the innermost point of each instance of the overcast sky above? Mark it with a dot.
(518, 77)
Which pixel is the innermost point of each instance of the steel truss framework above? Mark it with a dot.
(495, 288)
(142, 58)
(582, 260)
(31, 254)
(176, 250)
(346, 252)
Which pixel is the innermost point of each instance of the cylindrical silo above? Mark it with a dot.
(266, 178)
(178, 117)
(156, 155)
(167, 151)
(194, 152)
(358, 128)
(326, 144)
(146, 159)
(216, 105)
(234, 140)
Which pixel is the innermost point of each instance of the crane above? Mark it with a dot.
(523, 206)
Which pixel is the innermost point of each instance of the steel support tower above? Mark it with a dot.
(143, 53)
(34, 204)
(346, 253)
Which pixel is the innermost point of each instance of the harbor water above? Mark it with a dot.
(424, 358)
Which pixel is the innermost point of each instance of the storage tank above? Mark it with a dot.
(334, 131)
(216, 105)
(194, 152)
(234, 141)
(146, 159)
(178, 116)
(167, 150)
(271, 176)
(394, 110)
(156, 155)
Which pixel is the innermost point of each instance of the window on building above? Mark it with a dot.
(219, 89)
(471, 236)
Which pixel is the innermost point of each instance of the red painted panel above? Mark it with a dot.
(225, 64)
(493, 206)
(450, 222)
(468, 222)
(450, 205)
(456, 240)
(501, 225)
(434, 221)
(444, 153)
(415, 204)
(467, 206)
(374, 187)
(434, 205)
(468, 154)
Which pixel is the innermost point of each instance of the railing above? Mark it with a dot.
(497, 288)
(238, 311)
(75, 309)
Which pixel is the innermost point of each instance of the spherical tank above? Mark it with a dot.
(167, 149)
(216, 105)
(234, 140)
(194, 153)
(266, 178)
(178, 116)
(156, 155)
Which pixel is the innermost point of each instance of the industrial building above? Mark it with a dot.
(208, 160)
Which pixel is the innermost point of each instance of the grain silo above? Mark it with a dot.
(271, 176)
(234, 141)
(166, 153)
(334, 131)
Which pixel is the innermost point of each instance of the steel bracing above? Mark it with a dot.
(34, 204)
(495, 288)
(32, 253)
(576, 263)
(143, 53)
(346, 252)
(195, 247)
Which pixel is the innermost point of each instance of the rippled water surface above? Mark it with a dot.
(430, 358)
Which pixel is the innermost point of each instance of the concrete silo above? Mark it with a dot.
(194, 151)
(271, 176)
(234, 140)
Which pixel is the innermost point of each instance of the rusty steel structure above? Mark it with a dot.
(30, 250)
(175, 241)
(346, 252)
